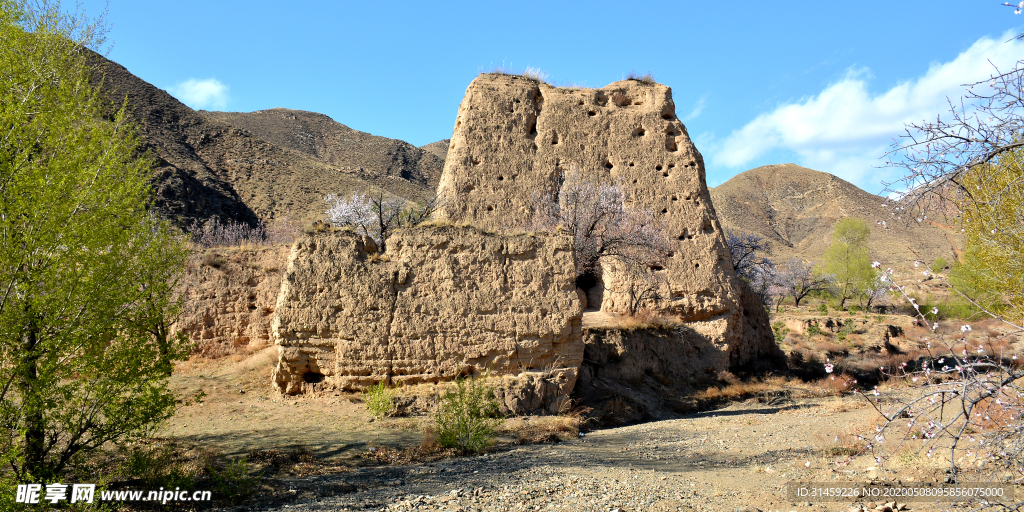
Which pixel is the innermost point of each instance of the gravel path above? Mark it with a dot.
(727, 460)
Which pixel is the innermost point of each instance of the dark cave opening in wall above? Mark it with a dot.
(313, 377)
(591, 284)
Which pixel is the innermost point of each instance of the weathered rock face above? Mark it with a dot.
(514, 136)
(630, 376)
(759, 349)
(230, 296)
(443, 302)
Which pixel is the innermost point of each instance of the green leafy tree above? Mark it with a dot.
(991, 271)
(847, 259)
(86, 272)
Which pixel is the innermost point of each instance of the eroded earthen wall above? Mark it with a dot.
(444, 301)
(514, 136)
(229, 298)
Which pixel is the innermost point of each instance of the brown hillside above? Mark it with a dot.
(796, 208)
(439, 148)
(323, 138)
(207, 168)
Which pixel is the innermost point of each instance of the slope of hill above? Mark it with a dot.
(439, 148)
(321, 137)
(207, 168)
(795, 208)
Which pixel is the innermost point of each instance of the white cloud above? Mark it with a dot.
(201, 94)
(846, 130)
(697, 108)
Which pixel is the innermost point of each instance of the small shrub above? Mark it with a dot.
(232, 482)
(841, 451)
(212, 259)
(939, 265)
(780, 330)
(823, 308)
(845, 331)
(379, 399)
(814, 330)
(465, 418)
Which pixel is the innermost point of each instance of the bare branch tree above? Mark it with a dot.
(377, 215)
(967, 402)
(750, 260)
(872, 291)
(601, 222)
(986, 123)
(965, 399)
(798, 280)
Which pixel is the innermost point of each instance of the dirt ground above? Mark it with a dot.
(736, 458)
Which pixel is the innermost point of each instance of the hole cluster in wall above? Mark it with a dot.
(686, 235)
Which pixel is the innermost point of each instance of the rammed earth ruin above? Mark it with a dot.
(449, 301)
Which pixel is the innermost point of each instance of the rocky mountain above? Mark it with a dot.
(796, 207)
(207, 167)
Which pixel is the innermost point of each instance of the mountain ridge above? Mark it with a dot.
(206, 168)
(796, 207)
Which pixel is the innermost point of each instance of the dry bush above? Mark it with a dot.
(830, 348)
(547, 429)
(621, 99)
(766, 387)
(535, 74)
(427, 451)
(647, 79)
(282, 230)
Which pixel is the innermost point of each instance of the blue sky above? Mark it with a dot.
(826, 85)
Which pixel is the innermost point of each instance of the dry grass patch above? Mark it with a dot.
(545, 429)
(427, 451)
(643, 319)
(840, 404)
(767, 387)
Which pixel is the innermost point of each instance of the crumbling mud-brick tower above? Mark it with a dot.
(514, 136)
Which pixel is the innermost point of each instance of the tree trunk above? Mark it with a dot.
(32, 415)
